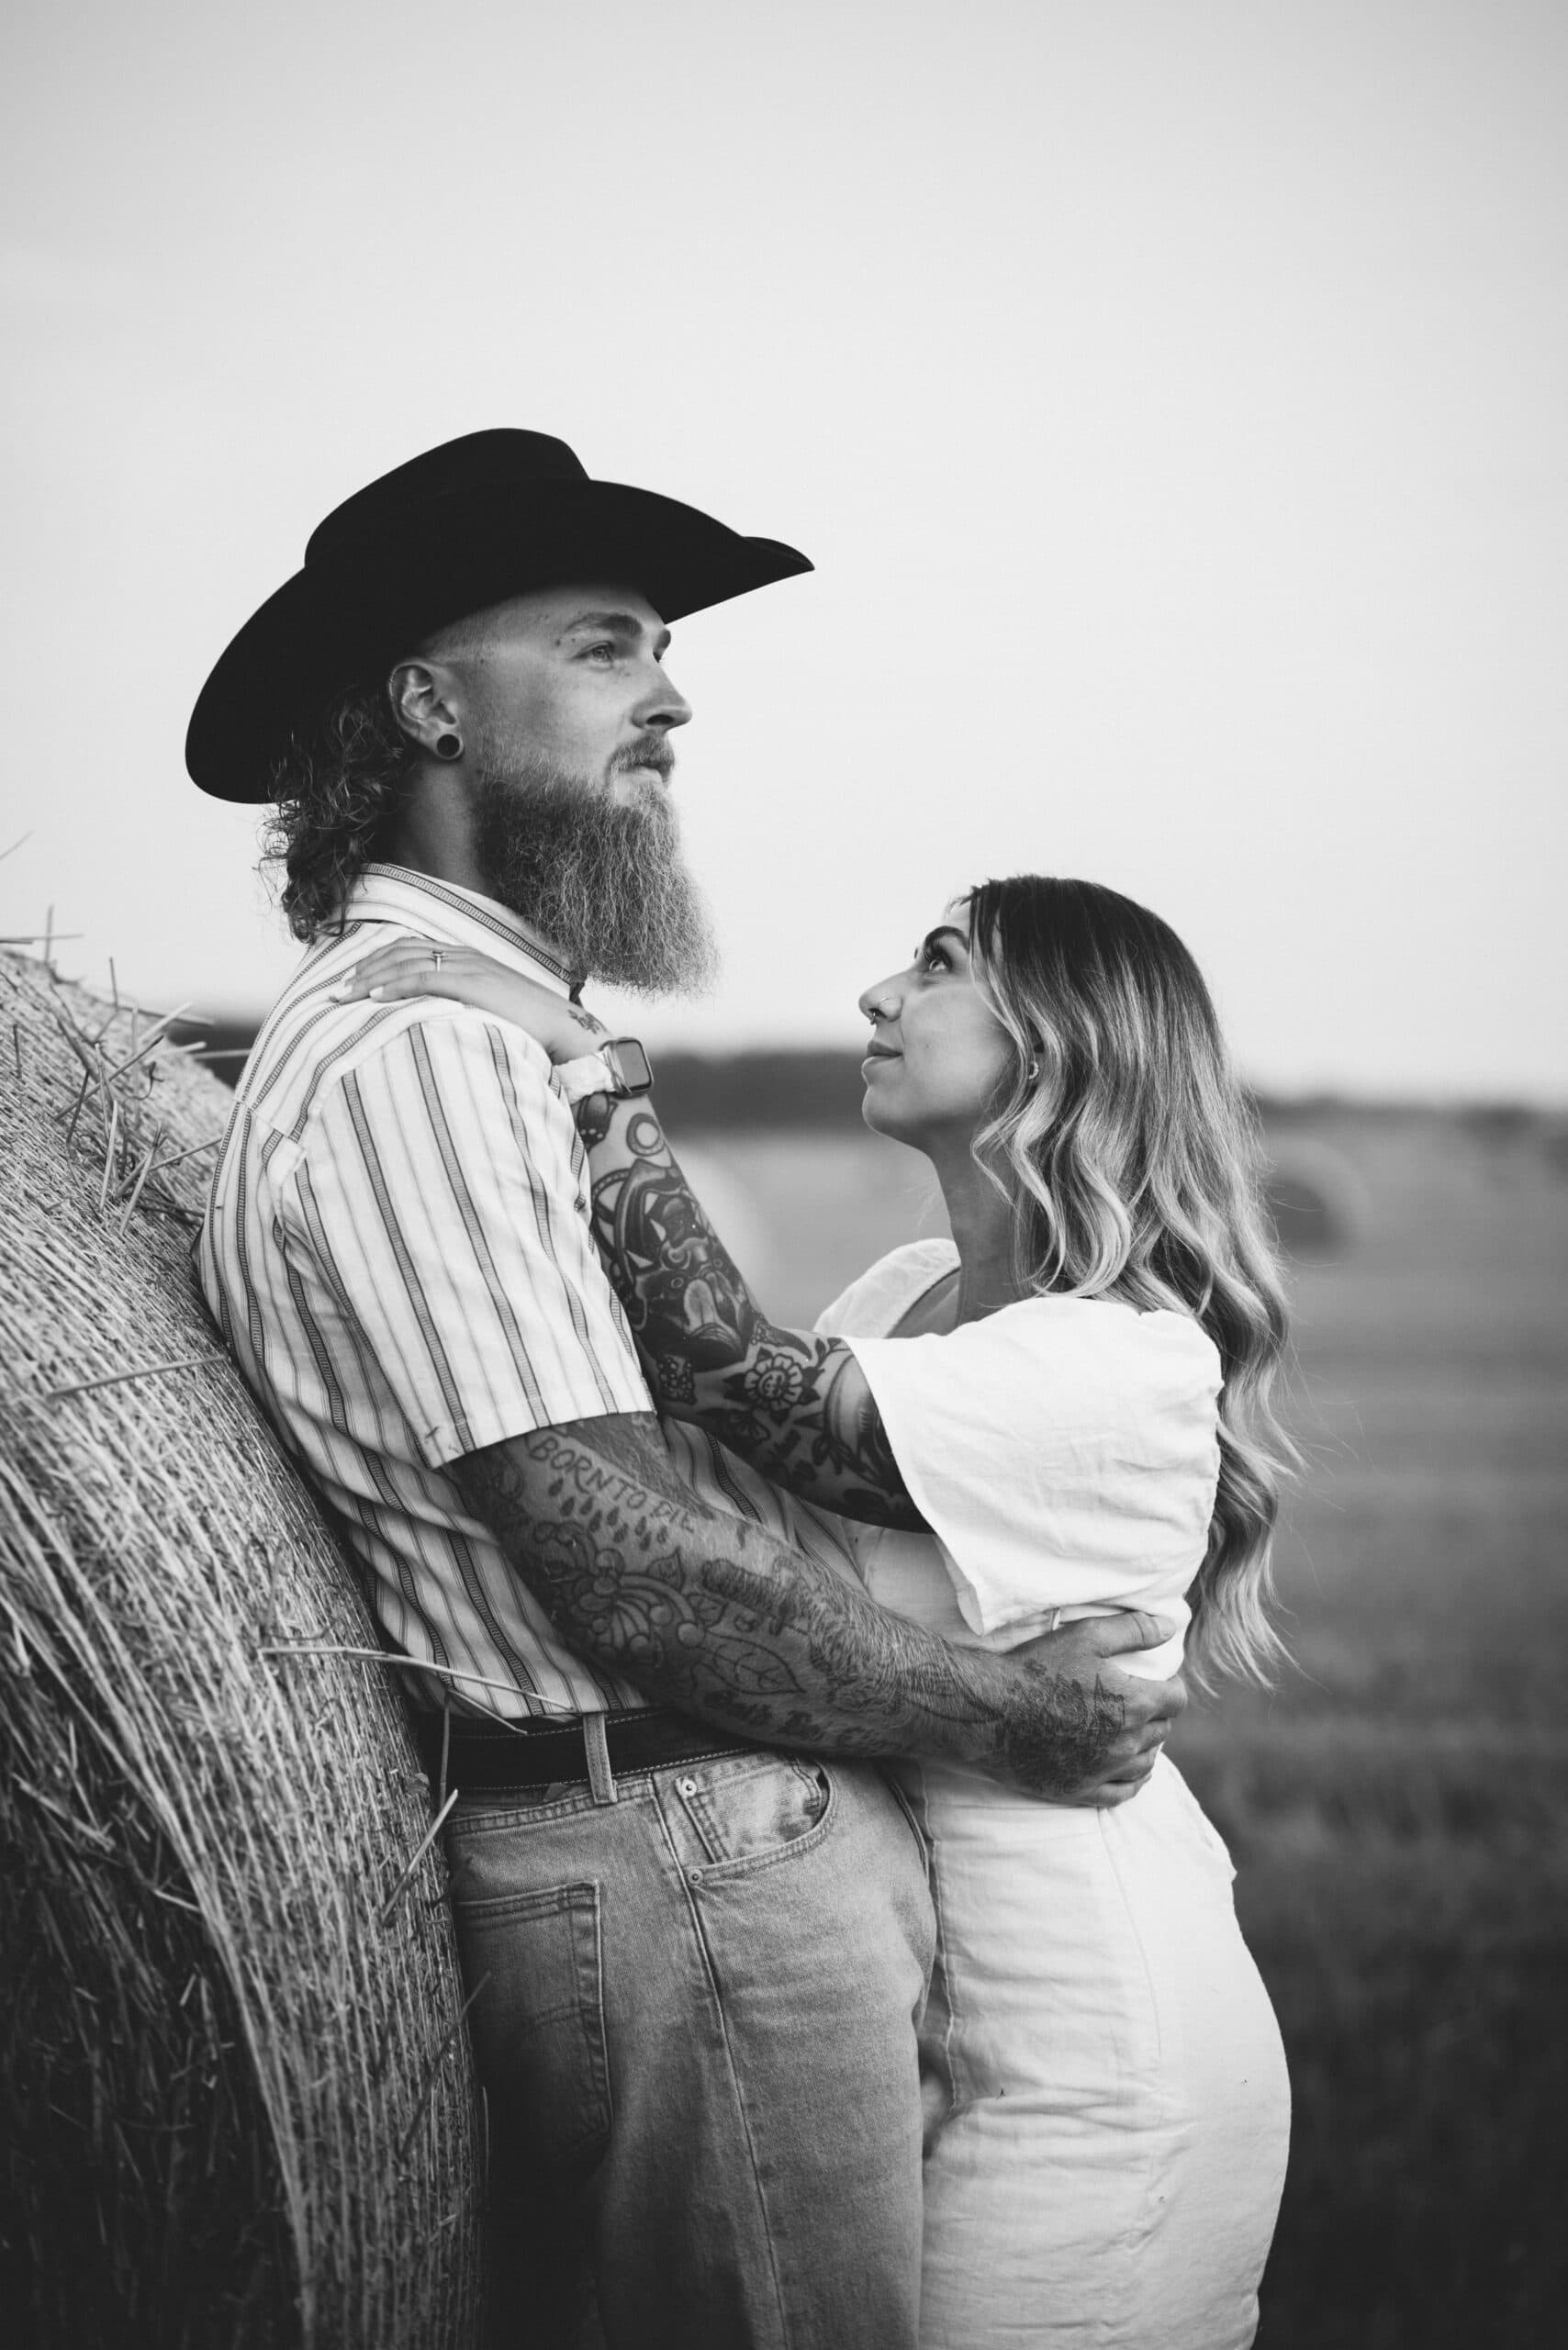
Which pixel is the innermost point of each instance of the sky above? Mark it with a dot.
(1169, 393)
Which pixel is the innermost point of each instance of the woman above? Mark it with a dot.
(1061, 1411)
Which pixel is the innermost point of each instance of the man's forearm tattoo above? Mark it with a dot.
(791, 1402)
(706, 1612)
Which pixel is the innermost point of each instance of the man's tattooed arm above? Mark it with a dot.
(708, 1613)
(795, 1406)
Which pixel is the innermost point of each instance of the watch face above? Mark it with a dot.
(630, 1065)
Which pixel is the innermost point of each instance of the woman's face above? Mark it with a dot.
(938, 1052)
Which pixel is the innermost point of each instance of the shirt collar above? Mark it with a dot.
(458, 917)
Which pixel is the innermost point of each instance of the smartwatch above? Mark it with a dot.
(620, 1068)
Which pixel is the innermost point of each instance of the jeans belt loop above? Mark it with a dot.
(601, 1778)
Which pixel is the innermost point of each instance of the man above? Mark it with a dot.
(697, 1951)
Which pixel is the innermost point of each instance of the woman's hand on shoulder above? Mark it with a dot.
(410, 968)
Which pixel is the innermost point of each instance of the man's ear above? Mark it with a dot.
(422, 696)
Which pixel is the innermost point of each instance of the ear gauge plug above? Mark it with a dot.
(449, 745)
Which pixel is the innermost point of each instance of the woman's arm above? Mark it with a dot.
(794, 1404)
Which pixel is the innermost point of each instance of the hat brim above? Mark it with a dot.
(357, 607)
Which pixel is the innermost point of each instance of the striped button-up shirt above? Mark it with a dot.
(398, 1251)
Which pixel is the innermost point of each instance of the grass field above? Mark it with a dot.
(1398, 1810)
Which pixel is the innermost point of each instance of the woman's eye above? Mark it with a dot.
(936, 959)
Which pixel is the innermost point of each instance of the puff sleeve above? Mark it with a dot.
(1065, 1453)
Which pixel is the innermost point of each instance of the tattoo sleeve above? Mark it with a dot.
(795, 1406)
(707, 1613)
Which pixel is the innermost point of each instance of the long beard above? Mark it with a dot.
(605, 883)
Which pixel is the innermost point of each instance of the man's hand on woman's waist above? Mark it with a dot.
(707, 1613)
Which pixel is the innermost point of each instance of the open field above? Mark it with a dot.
(1398, 1810)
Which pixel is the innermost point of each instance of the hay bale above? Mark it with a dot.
(238, 2086)
(1317, 1201)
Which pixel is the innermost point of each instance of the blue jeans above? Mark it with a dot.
(695, 2026)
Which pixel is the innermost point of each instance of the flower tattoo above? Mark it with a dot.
(775, 1379)
(790, 1402)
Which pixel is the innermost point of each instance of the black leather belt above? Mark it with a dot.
(484, 1754)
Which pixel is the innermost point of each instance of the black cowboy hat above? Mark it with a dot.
(463, 526)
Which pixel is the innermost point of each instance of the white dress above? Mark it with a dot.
(1109, 2168)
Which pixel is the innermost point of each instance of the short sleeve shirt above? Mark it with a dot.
(397, 1250)
(1064, 1452)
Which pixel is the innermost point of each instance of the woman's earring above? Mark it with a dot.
(1033, 1072)
(449, 745)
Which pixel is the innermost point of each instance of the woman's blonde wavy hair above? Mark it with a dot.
(1133, 1163)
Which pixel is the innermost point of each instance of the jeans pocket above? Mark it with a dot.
(748, 1816)
(538, 2019)
(912, 1821)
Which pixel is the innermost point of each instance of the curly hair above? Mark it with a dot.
(1133, 1162)
(336, 785)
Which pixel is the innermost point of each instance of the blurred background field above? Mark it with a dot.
(1398, 1812)
(1398, 1809)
